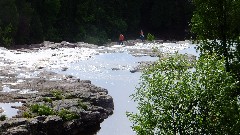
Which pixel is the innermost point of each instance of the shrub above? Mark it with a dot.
(6, 35)
(150, 37)
(67, 115)
(34, 108)
(57, 94)
(3, 117)
(97, 40)
(82, 105)
(27, 115)
(42, 109)
(47, 99)
(174, 100)
(45, 110)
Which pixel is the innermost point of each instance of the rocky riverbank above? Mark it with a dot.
(52, 104)
(66, 105)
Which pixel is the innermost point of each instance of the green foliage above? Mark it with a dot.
(155, 49)
(27, 115)
(47, 99)
(3, 117)
(45, 110)
(34, 108)
(169, 18)
(57, 94)
(95, 36)
(216, 26)
(25, 12)
(6, 35)
(150, 37)
(9, 18)
(67, 115)
(173, 99)
(36, 29)
(41, 109)
(82, 105)
(94, 40)
(48, 15)
(58, 20)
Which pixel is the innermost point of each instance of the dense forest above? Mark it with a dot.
(94, 21)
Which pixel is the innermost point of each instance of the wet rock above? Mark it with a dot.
(1, 110)
(141, 65)
(134, 70)
(64, 68)
(13, 122)
(40, 67)
(114, 69)
(86, 81)
(145, 64)
(18, 130)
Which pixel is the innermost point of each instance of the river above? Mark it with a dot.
(107, 70)
(120, 84)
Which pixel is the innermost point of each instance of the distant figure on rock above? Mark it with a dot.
(121, 38)
(142, 36)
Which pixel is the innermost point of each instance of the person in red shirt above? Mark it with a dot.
(121, 38)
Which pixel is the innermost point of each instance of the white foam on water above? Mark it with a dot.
(62, 57)
(45, 58)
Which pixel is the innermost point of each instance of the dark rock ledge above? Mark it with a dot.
(59, 107)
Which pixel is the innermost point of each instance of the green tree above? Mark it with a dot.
(24, 25)
(68, 24)
(132, 13)
(49, 14)
(8, 21)
(6, 35)
(167, 18)
(89, 20)
(216, 26)
(48, 10)
(173, 99)
(36, 29)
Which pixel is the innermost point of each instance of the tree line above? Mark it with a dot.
(28, 22)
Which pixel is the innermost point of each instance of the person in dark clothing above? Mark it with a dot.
(142, 36)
